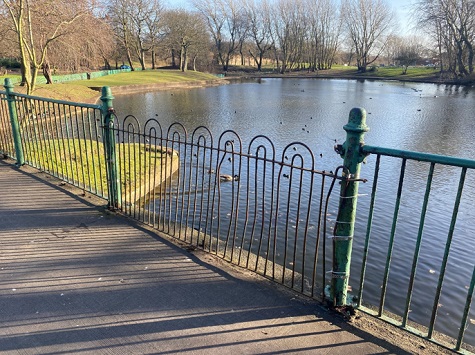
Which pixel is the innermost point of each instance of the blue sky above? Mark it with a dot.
(402, 8)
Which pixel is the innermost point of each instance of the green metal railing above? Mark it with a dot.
(401, 319)
(59, 137)
(84, 145)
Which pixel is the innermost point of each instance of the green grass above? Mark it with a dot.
(11, 76)
(146, 77)
(80, 91)
(81, 162)
(397, 72)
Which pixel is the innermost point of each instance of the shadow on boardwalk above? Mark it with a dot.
(76, 279)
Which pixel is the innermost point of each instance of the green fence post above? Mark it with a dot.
(20, 160)
(352, 156)
(112, 166)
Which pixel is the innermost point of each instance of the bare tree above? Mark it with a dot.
(185, 33)
(259, 21)
(226, 21)
(392, 48)
(37, 25)
(368, 24)
(89, 44)
(137, 24)
(409, 53)
(453, 23)
(289, 32)
(121, 23)
(324, 26)
(8, 39)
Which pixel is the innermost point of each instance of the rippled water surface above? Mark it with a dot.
(429, 118)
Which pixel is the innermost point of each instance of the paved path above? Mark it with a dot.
(74, 279)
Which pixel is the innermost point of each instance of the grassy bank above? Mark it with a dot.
(80, 91)
(424, 74)
(81, 161)
(146, 77)
(389, 72)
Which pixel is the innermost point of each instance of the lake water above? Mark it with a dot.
(428, 118)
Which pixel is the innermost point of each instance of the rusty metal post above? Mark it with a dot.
(352, 156)
(20, 159)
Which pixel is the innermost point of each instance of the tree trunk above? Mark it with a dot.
(183, 61)
(129, 59)
(142, 59)
(47, 72)
(34, 75)
(194, 62)
(173, 58)
(470, 57)
(461, 65)
(107, 64)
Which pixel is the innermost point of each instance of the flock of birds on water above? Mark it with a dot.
(230, 178)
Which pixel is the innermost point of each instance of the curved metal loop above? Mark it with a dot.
(263, 144)
(130, 121)
(153, 126)
(202, 134)
(297, 151)
(177, 130)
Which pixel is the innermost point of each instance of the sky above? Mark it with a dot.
(403, 11)
(401, 7)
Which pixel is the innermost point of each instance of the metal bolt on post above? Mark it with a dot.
(20, 160)
(352, 156)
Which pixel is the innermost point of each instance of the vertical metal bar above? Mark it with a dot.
(210, 213)
(317, 242)
(187, 175)
(29, 139)
(45, 141)
(75, 156)
(273, 207)
(286, 227)
(391, 239)
(418, 244)
(466, 312)
(297, 223)
(20, 160)
(368, 230)
(87, 152)
(307, 221)
(65, 144)
(344, 228)
(133, 171)
(151, 176)
(192, 185)
(246, 212)
(446, 253)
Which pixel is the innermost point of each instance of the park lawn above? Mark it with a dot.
(81, 91)
(82, 163)
(397, 72)
(11, 76)
(63, 91)
(146, 77)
